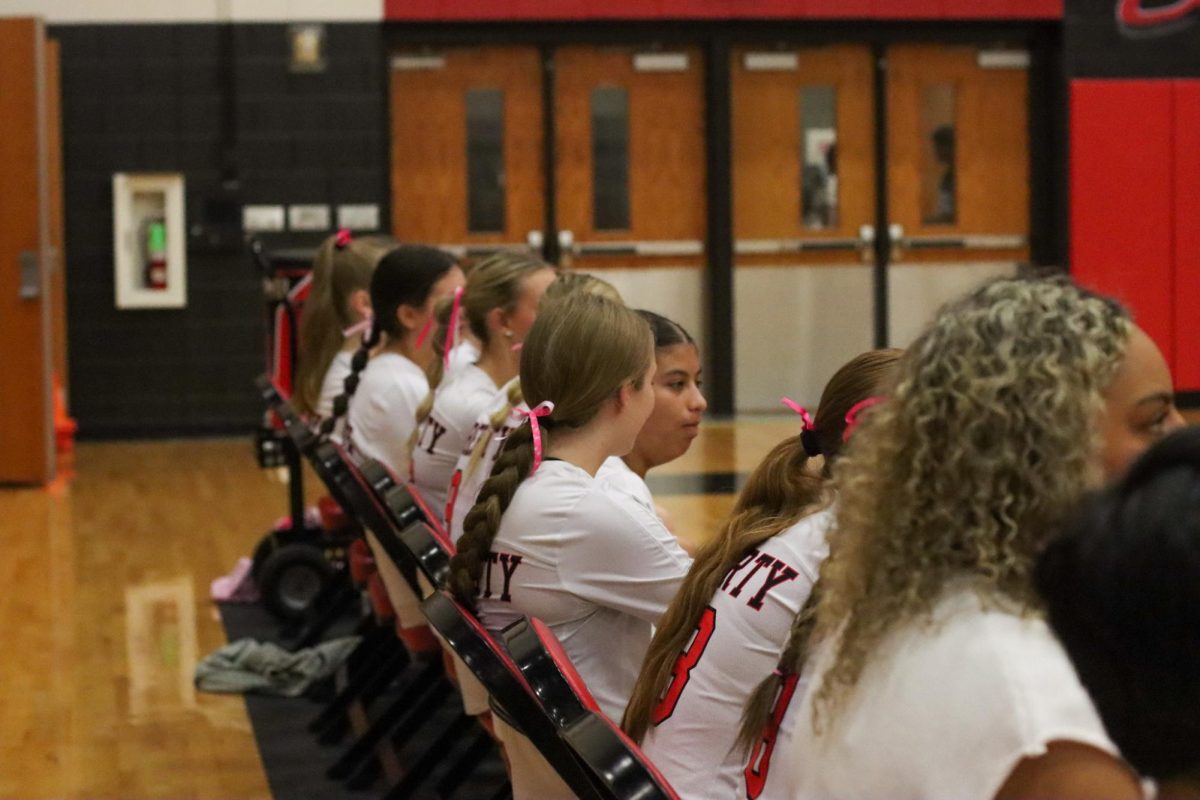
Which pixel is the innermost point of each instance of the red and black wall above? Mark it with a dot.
(1135, 164)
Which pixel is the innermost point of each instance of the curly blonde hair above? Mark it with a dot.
(990, 437)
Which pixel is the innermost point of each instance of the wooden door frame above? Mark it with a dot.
(1047, 127)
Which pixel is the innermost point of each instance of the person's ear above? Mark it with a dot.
(497, 323)
(623, 396)
(409, 317)
(360, 304)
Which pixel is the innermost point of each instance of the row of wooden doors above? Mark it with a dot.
(626, 181)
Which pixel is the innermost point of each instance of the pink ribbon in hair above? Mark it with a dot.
(425, 331)
(855, 410)
(342, 239)
(452, 327)
(542, 409)
(801, 410)
(359, 328)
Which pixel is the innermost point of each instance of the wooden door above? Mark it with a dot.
(467, 151)
(630, 160)
(26, 426)
(958, 173)
(803, 190)
(803, 139)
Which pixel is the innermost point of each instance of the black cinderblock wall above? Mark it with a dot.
(217, 103)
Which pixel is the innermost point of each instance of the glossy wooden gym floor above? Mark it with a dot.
(106, 610)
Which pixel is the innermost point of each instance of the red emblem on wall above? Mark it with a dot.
(1137, 17)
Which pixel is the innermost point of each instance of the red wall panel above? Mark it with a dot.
(1187, 234)
(498, 10)
(1122, 209)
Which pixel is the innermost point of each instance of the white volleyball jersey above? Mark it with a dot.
(944, 709)
(448, 432)
(463, 354)
(383, 411)
(334, 382)
(598, 573)
(466, 482)
(737, 644)
(624, 484)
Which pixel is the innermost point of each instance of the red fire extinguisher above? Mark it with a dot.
(155, 243)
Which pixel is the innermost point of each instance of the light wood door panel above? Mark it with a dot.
(667, 166)
(991, 148)
(26, 432)
(429, 144)
(768, 144)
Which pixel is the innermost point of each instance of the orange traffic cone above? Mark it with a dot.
(64, 426)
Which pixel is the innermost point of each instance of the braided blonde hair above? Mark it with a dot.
(578, 353)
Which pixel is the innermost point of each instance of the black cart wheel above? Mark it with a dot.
(293, 577)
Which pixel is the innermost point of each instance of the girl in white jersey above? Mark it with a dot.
(499, 304)
(544, 539)
(503, 414)
(675, 423)
(727, 627)
(338, 303)
(382, 401)
(933, 674)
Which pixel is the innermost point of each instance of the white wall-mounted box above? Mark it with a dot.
(149, 252)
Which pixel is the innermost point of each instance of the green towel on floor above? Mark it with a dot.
(251, 666)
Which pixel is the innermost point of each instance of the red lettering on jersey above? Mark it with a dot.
(508, 565)
(681, 673)
(436, 431)
(487, 575)
(780, 573)
(1135, 16)
(760, 562)
(760, 758)
(738, 568)
(473, 439)
(455, 482)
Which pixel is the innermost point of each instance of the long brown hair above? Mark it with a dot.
(340, 269)
(567, 284)
(781, 490)
(578, 353)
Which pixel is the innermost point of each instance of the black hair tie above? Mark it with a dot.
(810, 442)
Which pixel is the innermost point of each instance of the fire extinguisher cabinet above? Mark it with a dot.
(150, 259)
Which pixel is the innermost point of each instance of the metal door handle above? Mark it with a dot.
(752, 247)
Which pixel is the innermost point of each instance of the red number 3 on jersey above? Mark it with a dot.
(760, 758)
(684, 665)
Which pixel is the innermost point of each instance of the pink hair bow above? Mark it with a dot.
(853, 413)
(425, 331)
(360, 327)
(342, 240)
(801, 410)
(542, 409)
(452, 327)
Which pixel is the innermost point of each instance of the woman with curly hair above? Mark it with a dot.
(933, 673)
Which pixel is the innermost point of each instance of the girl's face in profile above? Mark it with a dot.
(1139, 406)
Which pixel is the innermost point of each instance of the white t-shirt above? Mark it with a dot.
(465, 482)
(944, 711)
(449, 432)
(598, 573)
(463, 354)
(383, 410)
(740, 641)
(333, 384)
(619, 480)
